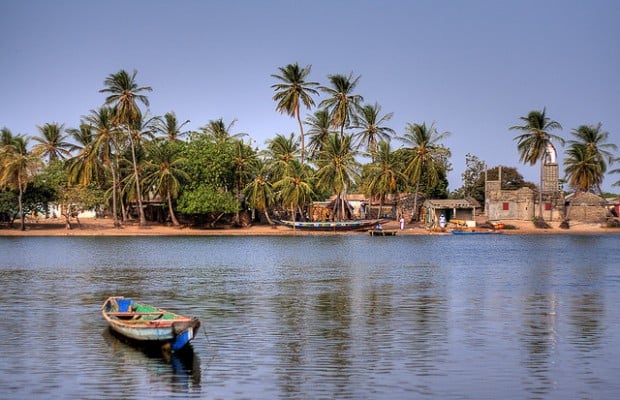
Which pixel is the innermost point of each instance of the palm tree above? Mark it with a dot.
(169, 126)
(294, 189)
(594, 142)
(424, 155)
(319, 131)
(384, 175)
(280, 155)
(583, 168)
(341, 103)
(293, 91)
(163, 172)
(52, 144)
(85, 167)
(18, 167)
(124, 94)
(535, 141)
(338, 169)
(107, 150)
(217, 130)
(371, 127)
(260, 194)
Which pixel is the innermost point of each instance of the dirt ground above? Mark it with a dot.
(105, 227)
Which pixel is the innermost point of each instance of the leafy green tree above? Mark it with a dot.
(337, 169)
(341, 103)
(124, 94)
(292, 91)
(424, 156)
(535, 141)
(371, 127)
(18, 167)
(52, 144)
(163, 171)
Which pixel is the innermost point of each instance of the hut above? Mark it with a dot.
(586, 207)
(457, 211)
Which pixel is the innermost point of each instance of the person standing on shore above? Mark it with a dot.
(402, 223)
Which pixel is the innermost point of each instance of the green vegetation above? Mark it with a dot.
(123, 163)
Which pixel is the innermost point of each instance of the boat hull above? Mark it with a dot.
(331, 226)
(149, 325)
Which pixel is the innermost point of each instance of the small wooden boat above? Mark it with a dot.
(149, 325)
(331, 226)
(381, 232)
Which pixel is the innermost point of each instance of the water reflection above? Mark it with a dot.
(303, 317)
(177, 372)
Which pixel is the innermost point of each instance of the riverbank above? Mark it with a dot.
(104, 227)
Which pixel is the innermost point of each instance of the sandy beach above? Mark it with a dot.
(104, 227)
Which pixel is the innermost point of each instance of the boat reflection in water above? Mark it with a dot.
(179, 372)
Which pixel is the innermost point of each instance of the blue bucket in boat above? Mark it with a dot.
(123, 304)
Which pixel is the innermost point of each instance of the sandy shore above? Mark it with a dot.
(104, 227)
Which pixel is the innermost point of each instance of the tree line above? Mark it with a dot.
(119, 156)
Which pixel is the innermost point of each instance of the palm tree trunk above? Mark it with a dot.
(117, 224)
(301, 135)
(21, 206)
(267, 216)
(175, 222)
(415, 202)
(137, 178)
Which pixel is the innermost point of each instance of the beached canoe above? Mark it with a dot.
(475, 232)
(149, 325)
(331, 226)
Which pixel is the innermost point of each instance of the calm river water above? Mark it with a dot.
(317, 317)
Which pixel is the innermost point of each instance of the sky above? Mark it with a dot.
(471, 67)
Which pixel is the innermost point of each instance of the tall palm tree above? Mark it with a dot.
(51, 143)
(107, 149)
(18, 167)
(424, 156)
(594, 141)
(169, 126)
(341, 103)
(319, 131)
(371, 127)
(582, 168)
(292, 92)
(164, 172)
(337, 169)
(535, 141)
(260, 194)
(124, 93)
(385, 174)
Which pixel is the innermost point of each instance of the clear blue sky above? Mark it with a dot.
(473, 67)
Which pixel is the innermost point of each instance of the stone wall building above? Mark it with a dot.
(586, 207)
